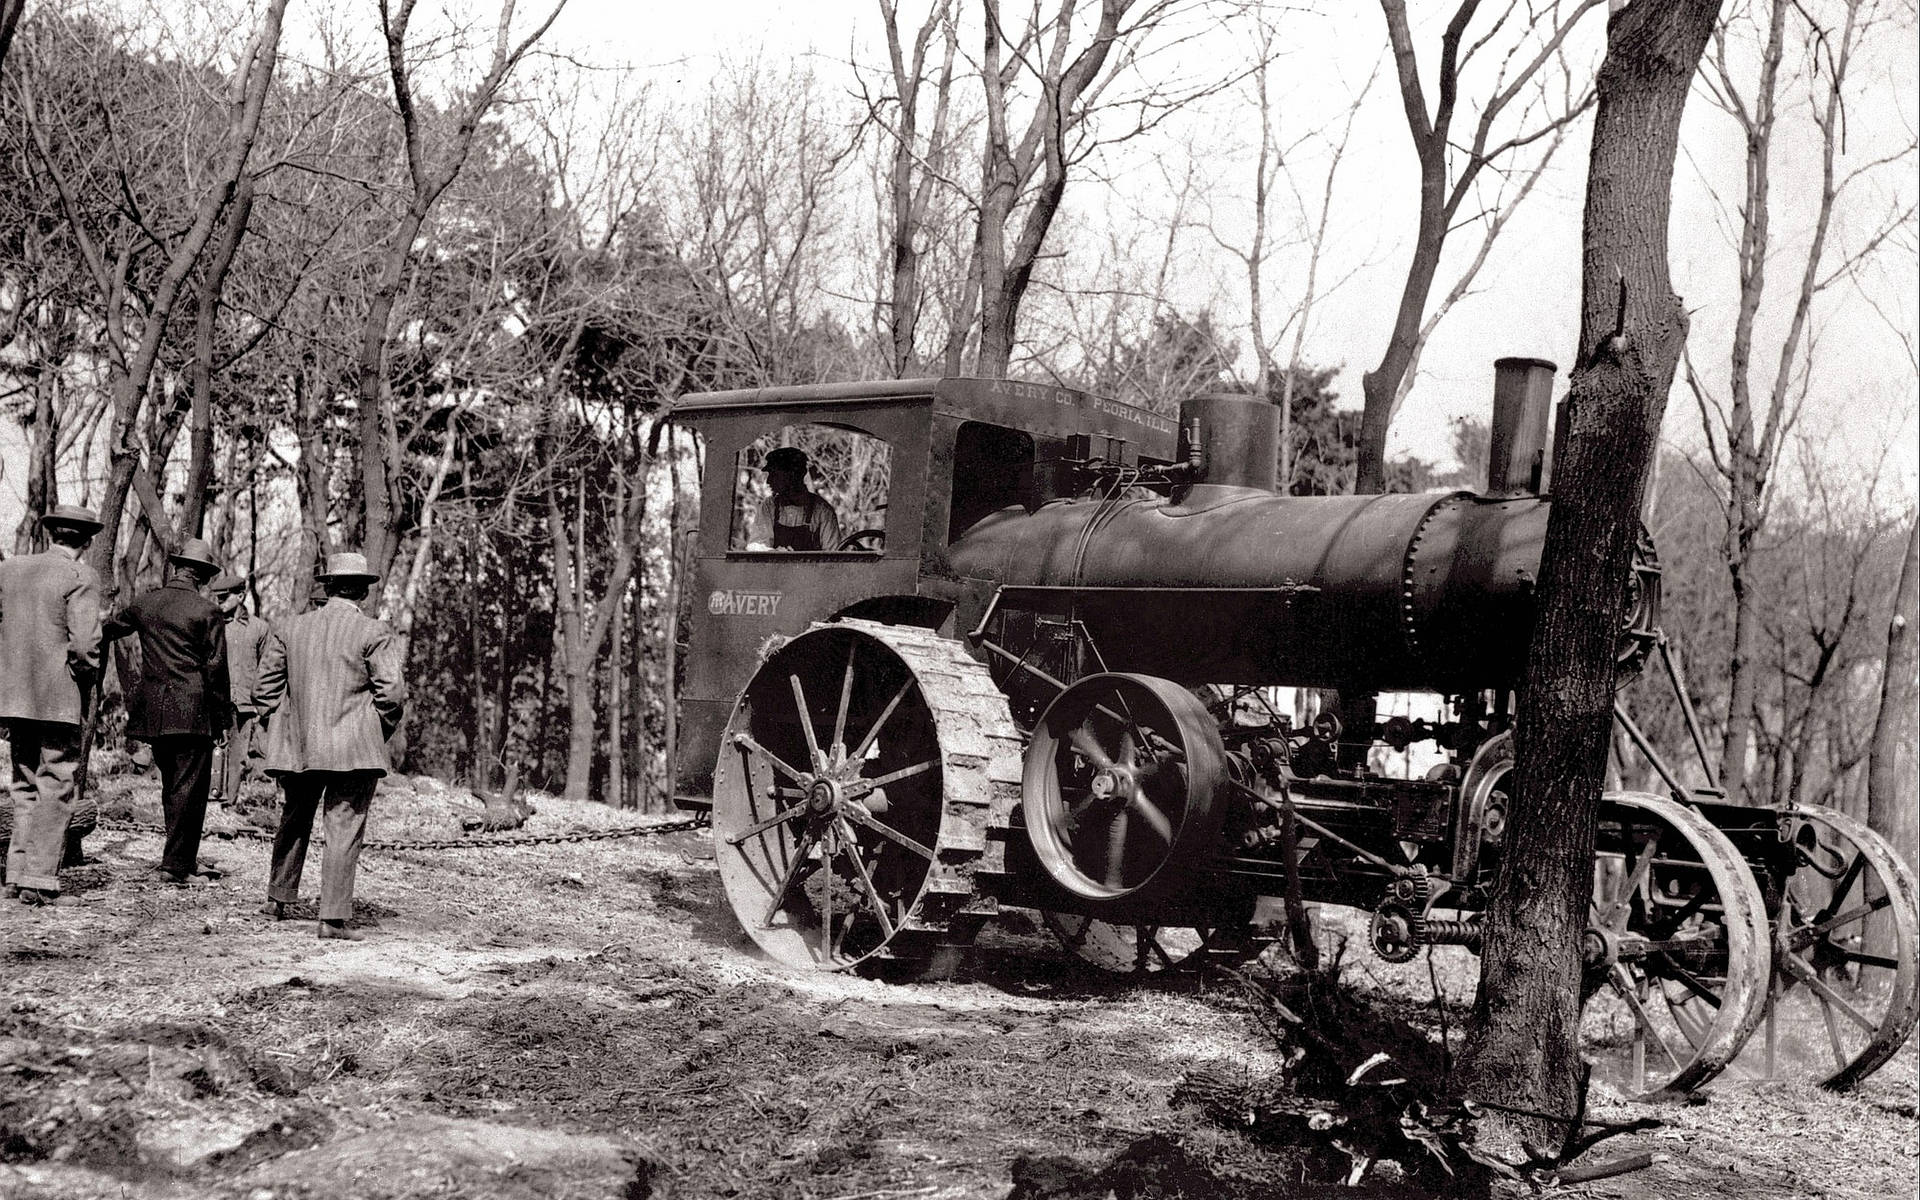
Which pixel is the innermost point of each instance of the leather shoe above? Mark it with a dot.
(277, 909)
(339, 930)
(38, 897)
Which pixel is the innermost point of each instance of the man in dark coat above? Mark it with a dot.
(245, 633)
(50, 648)
(330, 678)
(181, 703)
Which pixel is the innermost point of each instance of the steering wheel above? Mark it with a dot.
(874, 538)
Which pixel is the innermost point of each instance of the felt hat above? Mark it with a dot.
(787, 458)
(226, 582)
(71, 516)
(347, 565)
(195, 552)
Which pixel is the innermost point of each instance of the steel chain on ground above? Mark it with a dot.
(485, 841)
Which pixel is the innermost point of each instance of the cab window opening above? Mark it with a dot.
(993, 468)
(811, 487)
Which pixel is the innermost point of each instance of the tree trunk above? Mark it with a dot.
(1523, 1044)
(193, 516)
(1892, 809)
(1737, 741)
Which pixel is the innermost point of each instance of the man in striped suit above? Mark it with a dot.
(180, 706)
(330, 678)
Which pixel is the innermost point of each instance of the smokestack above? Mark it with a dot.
(1517, 439)
(1241, 434)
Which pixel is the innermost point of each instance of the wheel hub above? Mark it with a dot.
(823, 796)
(1114, 783)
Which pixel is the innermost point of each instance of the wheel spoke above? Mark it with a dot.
(1623, 983)
(806, 724)
(863, 786)
(846, 697)
(866, 880)
(1155, 819)
(826, 897)
(863, 818)
(1833, 1034)
(1688, 979)
(746, 741)
(1820, 929)
(1082, 740)
(1841, 889)
(880, 722)
(800, 853)
(1665, 926)
(760, 827)
(1811, 978)
(1116, 849)
(1642, 865)
(1872, 960)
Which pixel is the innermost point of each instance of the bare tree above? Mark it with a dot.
(1451, 170)
(1891, 810)
(1746, 427)
(917, 166)
(110, 258)
(433, 162)
(1523, 1048)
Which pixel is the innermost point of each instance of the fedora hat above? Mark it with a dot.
(195, 552)
(347, 565)
(71, 516)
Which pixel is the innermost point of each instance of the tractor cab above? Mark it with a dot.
(894, 472)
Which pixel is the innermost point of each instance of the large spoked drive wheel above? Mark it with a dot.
(1118, 789)
(1155, 949)
(846, 827)
(1676, 948)
(1845, 935)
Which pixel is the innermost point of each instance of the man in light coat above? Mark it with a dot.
(50, 648)
(180, 705)
(245, 635)
(330, 678)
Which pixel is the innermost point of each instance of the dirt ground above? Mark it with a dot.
(585, 1020)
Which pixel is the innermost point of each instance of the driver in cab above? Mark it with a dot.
(793, 518)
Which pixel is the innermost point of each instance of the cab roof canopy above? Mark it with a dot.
(1036, 408)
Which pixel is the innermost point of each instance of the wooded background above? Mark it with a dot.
(352, 279)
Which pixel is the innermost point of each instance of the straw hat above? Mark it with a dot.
(347, 565)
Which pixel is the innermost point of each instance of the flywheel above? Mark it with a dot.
(857, 779)
(1118, 791)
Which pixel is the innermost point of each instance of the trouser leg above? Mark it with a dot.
(45, 756)
(23, 755)
(348, 797)
(302, 795)
(186, 774)
(235, 757)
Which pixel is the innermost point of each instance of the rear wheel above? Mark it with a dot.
(854, 788)
(1676, 948)
(1844, 939)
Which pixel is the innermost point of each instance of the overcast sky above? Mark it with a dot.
(1526, 300)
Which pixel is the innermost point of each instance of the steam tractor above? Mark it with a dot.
(1035, 670)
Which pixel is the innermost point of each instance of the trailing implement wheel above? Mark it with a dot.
(1156, 949)
(854, 788)
(1844, 940)
(1118, 789)
(1676, 958)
